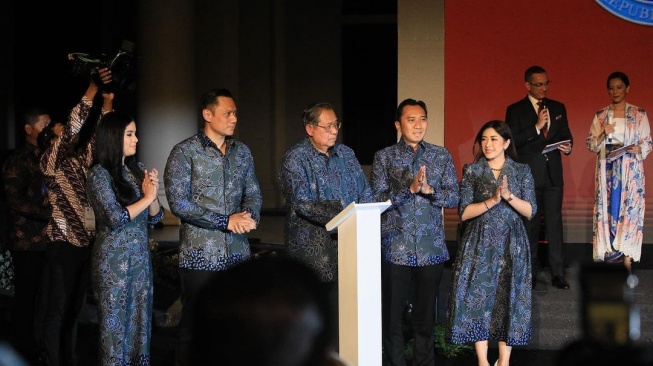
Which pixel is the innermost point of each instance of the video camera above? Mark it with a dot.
(123, 66)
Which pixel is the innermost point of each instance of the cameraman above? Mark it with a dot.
(71, 228)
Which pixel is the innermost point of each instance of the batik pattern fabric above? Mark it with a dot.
(26, 195)
(316, 187)
(412, 228)
(122, 277)
(619, 206)
(6, 270)
(491, 289)
(65, 172)
(203, 187)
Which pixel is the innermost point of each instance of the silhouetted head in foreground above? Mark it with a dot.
(266, 311)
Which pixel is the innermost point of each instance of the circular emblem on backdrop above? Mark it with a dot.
(636, 11)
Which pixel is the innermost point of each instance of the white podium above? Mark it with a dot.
(359, 281)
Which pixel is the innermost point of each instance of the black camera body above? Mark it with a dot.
(123, 66)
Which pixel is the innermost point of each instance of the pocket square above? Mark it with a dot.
(559, 117)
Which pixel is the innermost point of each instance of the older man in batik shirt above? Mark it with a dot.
(319, 178)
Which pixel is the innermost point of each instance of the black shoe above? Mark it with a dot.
(560, 282)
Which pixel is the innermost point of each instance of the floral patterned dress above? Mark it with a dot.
(619, 206)
(491, 292)
(121, 273)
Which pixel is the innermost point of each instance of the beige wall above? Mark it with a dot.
(421, 59)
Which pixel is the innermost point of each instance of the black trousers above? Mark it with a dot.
(67, 280)
(330, 290)
(549, 204)
(29, 307)
(191, 282)
(399, 283)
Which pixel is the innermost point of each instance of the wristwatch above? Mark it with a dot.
(511, 197)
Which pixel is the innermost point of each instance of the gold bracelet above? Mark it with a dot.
(485, 203)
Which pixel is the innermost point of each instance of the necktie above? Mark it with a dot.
(544, 129)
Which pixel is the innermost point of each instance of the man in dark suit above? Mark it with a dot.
(536, 122)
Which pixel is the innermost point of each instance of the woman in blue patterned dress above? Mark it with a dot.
(491, 292)
(123, 195)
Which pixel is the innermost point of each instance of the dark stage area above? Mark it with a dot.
(557, 319)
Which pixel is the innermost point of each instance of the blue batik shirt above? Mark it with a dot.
(203, 187)
(412, 228)
(316, 188)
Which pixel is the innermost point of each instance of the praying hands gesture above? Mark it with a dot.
(151, 184)
(502, 190)
(419, 184)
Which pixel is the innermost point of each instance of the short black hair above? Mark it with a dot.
(533, 70)
(211, 97)
(409, 101)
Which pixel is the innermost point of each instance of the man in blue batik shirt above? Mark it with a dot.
(211, 186)
(319, 178)
(420, 180)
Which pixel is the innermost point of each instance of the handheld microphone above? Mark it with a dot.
(545, 106)
(610, 116)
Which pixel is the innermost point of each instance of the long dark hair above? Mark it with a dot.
(503, 130)
(109, 139)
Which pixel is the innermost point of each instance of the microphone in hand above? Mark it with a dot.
(610, 116)
(546, 107)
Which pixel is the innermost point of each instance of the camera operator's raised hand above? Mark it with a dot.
(107, 96)
(102, 75)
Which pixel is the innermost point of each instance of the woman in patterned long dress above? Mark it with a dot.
(491, 292)
(124, 199)
(619, 205)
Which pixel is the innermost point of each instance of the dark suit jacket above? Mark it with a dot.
(521, 117)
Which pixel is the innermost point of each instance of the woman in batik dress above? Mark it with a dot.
(123, 195)
(491, 292)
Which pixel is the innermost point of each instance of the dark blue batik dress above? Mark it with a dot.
(121, 273)
(491, 291)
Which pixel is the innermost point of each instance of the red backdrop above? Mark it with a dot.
(488, 47)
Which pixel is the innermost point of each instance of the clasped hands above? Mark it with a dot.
(150, 183)
(241, 223)
(502, 192)
(419, 184)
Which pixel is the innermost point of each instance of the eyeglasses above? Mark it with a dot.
(330, 127)
(539, 85)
